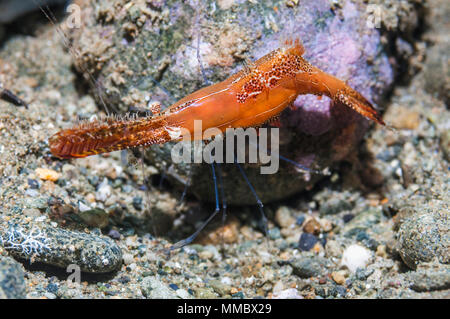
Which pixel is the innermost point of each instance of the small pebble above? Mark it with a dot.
(183, 294)
(363, 274)
(338, 277)
(300, 220)
(95, 217)
(114, 234)
(311, 266)
(283, 217)
(347, 217)
(137, 203)
(402, 117)
(128, 259)
(312, 226)
(290, 293)
(104, 191)
(47, 174)
(49, 295)
(307, 241)
(34, 184)
(274, 233)
(173, 286)
(355, 256)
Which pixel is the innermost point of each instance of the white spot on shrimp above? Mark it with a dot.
(174, 132)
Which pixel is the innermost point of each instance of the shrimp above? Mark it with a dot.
(249, 98)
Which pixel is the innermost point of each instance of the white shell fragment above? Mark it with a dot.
(355, 256)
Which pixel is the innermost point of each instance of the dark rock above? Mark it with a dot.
(437, 71)
(312, 266)
(363, 274)
(44, 243)
(12, 281)
(334, 206)
(425, 236)
(307, 241)
(94, 217)
(347, 217)
(300, 220)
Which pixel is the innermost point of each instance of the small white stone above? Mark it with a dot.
(290, 293)
(132, 266)
(104, 191)
(128, 259)
(226, 281)
(278, 287)
(82, 207)
(183, 294)
(355, 256)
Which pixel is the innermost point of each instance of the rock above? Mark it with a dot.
(355, 256)
(402, 117)
(437, 71)
(228, 233)
(40, 242)
(283, 217)
(47, 174)
(94, 217)
(183, 294)
(330, 290)
(205, 293)
(362, 273)
(333, 249)
(313, 132)
(309, 266)
(274, 233)
(128, 259)
(430, 278)
(290, 293)
(338, 277)
(12, 279)
(312, 226)
(445, 144)
(153, 288)
(334, 206)
(219, 287)
(362, 222)
(307, 241)
(425, 236)
(104, 191)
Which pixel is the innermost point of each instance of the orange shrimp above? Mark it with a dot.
(249, 98)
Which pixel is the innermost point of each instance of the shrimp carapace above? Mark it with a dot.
(248, 98)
